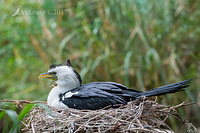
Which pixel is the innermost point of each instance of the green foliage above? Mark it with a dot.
(11, 119)
(25, 110)
(142, 44)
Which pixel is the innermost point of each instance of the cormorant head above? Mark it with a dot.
(64, 75)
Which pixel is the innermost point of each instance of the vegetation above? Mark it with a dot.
(142, 44)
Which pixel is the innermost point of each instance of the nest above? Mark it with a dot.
(139, 116)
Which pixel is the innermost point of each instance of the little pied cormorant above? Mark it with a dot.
(69, 92)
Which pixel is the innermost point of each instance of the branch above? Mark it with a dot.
(22, 101)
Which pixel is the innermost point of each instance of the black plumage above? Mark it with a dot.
(97, 95)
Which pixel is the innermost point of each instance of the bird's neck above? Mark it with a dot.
(68, 84)
(54, 99)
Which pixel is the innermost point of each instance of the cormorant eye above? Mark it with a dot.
(53, 72)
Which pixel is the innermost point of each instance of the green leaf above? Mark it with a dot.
(2, 113)
(13, 116)
(126, 67)
(25, 110)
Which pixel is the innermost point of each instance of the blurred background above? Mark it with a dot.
(142, 44)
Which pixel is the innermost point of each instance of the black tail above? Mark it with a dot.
(171, 88)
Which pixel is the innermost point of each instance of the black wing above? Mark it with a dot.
(97, 95)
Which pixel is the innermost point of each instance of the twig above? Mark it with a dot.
(177, 106)
(22, 101)
(33, 130)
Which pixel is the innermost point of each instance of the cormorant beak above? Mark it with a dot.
(49, 75)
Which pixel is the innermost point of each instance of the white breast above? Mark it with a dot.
(53, 99)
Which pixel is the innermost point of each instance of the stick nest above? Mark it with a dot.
(143, 115)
